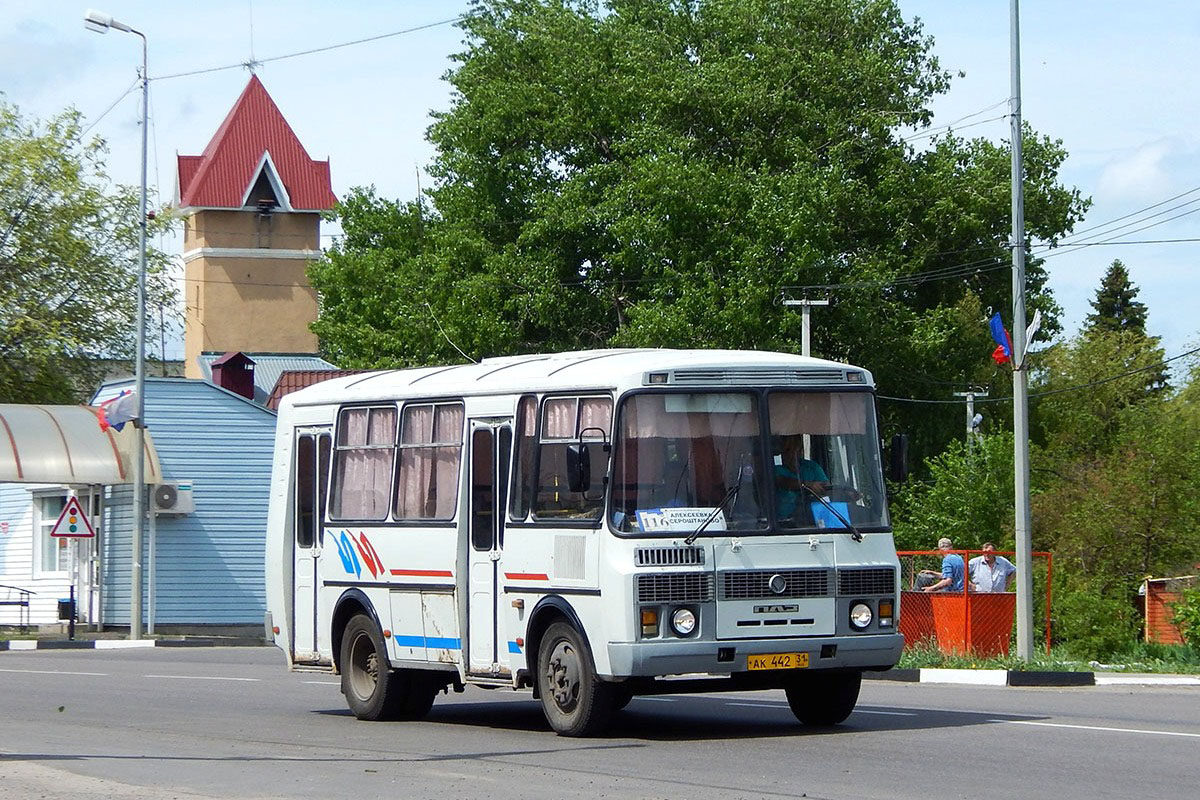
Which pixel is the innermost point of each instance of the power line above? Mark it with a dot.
(1049, 392)
(243, 64)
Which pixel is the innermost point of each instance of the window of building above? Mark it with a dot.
(53, 552)
(431, 436)
(366, 443)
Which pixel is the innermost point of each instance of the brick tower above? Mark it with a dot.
(251, 204)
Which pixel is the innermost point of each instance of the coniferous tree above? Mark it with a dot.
(1116, 307)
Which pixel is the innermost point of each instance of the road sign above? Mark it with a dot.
(72, 522)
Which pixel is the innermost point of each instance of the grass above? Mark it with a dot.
(1140, 657)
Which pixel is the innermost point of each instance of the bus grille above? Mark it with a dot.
(875, 580)
(750, 585)
(668, 556)
(679, 587)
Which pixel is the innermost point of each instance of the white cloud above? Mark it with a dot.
(1139, 175)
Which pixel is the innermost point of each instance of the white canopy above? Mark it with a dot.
(64, 444)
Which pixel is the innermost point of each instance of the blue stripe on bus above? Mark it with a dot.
(513, 647)
(441, 642)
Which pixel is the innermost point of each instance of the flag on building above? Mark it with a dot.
(115, 412)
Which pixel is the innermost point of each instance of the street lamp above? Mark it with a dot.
(100, 23)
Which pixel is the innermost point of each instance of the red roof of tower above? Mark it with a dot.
(229, 166)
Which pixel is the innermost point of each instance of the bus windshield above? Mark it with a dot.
(689, 460)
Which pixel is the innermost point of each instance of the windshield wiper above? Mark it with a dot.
(856, 535)
(729, 497)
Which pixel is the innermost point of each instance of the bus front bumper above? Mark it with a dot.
(681, 657)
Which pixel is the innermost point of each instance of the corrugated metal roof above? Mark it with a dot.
(295, 379)
(221, 176)
(267, 369)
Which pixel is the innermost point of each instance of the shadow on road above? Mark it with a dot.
(700, 718)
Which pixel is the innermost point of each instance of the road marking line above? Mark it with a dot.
(53, 672)
(757, 705)
(203, 678)
(885, 713)
(1095, 728)
(324, 683)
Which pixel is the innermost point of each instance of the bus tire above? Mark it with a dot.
(576, 702)
(824, 698)
(373, 690)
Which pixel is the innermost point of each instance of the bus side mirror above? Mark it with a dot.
(579, 468)
(898, 459)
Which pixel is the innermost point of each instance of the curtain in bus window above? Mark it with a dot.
(366, 441)
(563, 419)
(431, 447)
(595, 417)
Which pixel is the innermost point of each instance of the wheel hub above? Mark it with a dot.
(562, 673)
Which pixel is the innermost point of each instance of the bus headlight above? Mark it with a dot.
(683, 621)
(861, 616)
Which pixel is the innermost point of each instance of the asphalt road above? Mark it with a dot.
(233, 723)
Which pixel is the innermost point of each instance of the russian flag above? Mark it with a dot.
(1003, 352)
(114, 413)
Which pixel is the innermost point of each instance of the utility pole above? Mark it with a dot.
(805, 320)
(970, 395)
(1023, 514)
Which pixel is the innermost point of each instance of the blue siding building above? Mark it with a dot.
(207, 566)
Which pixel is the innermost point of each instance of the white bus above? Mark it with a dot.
(592, 525)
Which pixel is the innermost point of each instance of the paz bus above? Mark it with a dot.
(591, 525)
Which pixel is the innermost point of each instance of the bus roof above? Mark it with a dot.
(587, 369)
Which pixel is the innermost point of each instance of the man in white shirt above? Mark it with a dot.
(990, 572)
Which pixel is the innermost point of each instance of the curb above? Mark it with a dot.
(123, 644)
(1000, 677)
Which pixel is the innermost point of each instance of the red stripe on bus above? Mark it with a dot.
(527, 576)
(424, 573)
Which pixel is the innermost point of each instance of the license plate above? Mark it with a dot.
(777, 661)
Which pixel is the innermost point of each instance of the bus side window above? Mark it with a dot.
(524, 482)
(566, 420)
(366, 442)
(305, 496)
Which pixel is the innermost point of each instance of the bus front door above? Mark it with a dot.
(491, 445)
(310, 480)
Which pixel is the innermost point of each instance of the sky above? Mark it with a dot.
(1116, 83)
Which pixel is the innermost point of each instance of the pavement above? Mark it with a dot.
(976, 677)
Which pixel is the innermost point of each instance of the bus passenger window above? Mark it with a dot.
(431, 437)
(523, 480)
(366, 441)
(566, 420)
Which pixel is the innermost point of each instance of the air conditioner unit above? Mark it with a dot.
(172, 498)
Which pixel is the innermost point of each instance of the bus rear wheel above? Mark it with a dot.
(373, 690)
(824, 698)
(576, 702)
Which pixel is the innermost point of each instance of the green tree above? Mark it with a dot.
(660, 172)
(68, 261)
(1116, 307)
(967, 497)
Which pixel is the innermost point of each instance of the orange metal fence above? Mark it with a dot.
(965, 621)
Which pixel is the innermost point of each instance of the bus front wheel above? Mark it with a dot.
(576, 702)
(824, 698)
(373, 690)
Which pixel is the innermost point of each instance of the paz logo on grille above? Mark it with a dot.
(777, 584)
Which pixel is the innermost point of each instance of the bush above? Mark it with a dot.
(1187, 616)
(1092, 623)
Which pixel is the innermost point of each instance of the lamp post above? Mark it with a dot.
(101, 23)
